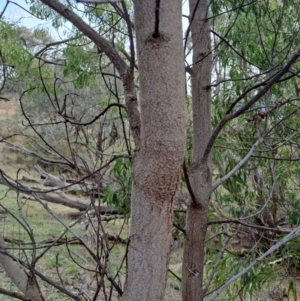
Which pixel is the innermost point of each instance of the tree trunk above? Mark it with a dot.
(24, 282)
(157, 165)
(200, 171)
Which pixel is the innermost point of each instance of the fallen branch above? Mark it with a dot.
(63, 200)
(76, 189)
(49, 180)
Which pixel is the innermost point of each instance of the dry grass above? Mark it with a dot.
(44, 226)
(8, 108)
(57, 259)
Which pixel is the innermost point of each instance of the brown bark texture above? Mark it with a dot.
(157, 165)
(200, 171)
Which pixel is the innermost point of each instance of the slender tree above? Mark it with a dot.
(200, 174)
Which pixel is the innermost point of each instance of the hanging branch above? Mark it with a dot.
(125, 72)
(295, 233)
(250, 103)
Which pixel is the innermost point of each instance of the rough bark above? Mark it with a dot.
(200, 171)
(25, 283)
(157, 165)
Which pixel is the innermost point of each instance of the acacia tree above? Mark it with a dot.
(157, 122)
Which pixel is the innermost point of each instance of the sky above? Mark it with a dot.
(15, 13)
(20, 16)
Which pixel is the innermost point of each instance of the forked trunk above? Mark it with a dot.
(157, 165)
(200, 171)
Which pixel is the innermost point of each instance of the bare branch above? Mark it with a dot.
(53, 44)
(237, 221)
(216, 264)
(88, 31)
(13, 295)
(30, 153)
(125, 72)
(4, 9)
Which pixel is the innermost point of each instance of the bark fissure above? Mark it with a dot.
(188, 184)
(156, 26)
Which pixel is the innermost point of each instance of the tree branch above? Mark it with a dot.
(238, 166)
(88, 31)
(24, 282)
(13, 295)
(237, 221)
(53, 44)
(251, 102)
(295, 233)
(189, 187)
(216, 264)
(125, 72)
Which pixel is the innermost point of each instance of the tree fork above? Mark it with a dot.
(200, 175)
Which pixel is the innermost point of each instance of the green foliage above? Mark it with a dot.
(80, 64)
(13, 52)
(118, 193)
(258, 277)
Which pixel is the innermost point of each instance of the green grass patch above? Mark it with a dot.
(20, 218)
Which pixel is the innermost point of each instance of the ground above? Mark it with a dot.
(68, 264)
